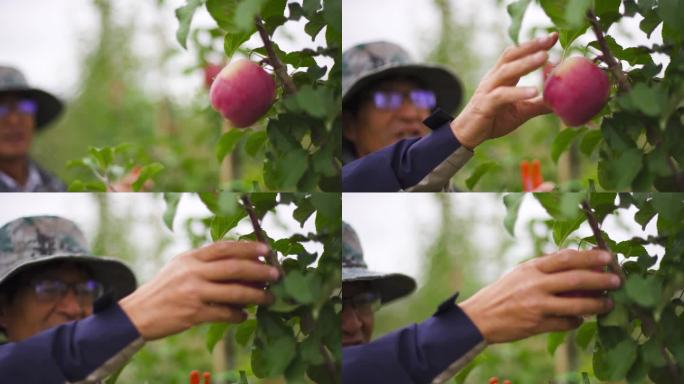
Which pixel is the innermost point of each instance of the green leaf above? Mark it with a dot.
(273, 357)
(316, 102)
(290, 168)
(648, 100)
(255, 142)
(332, 13)
(512, 203)
(246, 11)
(480, 171)
(553, 340)
(517, 11)
(618, 316)
(220, 225)
(614, 363)
(672, 13)
(222, 11)
(328, 211)
(303, 212)
(644, 291)
(310, 7)
(576, 11)
(618, 173)
(563, 228)
(670, 206)
(590, 141)
(215, 334)
(244, 331)
(602, 7)
(227, 143)
(172, 200)
(234, 40)
(556, 10)
(563, 140)
(184, 15)
(585, 334)
(146, 172)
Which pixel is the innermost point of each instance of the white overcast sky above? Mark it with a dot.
(396, 229)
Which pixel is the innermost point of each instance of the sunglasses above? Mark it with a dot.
(24, 107)
(50, 290)
(393, 100)
(363, 303)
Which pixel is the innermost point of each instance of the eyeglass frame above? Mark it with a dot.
(66, 288)
(414, 95)
(26, 107)
(372, 299)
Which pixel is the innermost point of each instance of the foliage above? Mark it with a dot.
(298, 337)
(642, 337)
(300, 144)
(637, 136)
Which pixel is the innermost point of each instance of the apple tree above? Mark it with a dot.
(642, 338)
(298, 337)
(298, 139)
(637, 137)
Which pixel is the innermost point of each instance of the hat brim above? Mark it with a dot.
(49, 106)
(117, 278)
(390, 286)
(447, 87)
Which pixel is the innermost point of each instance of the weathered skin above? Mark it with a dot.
(576, 90)
(242, 92)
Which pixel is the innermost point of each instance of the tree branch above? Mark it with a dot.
(593, 223)
(608, 58)
(278, 67)
(271, 257)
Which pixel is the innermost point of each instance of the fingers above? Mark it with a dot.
(533, 107)
(543, 43)
(510, 72)
(231, 249)
(559, 323)
(506, 95)
(238, 269)
(580, 280)
(234, 294)
(566, 259)
(577, 306)
(221, 313)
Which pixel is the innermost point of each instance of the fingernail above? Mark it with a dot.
(615, 280)
(274, 274)
(263, 249)
(604, 257)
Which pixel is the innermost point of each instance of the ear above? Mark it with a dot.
(349, 126)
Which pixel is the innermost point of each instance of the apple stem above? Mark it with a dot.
(271, 257)
(608, 58)
(278, 67)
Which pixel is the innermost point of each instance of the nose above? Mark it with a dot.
(70, 306)
(411, 118)
(351, 324)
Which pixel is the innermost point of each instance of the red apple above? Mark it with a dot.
(211, 70)
(576, 90)
(242, 92)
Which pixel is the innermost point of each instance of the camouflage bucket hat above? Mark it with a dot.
(31, 241)
(390, 286)
(366, 63)
(12, 81)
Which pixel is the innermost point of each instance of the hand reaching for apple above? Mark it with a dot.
(498, 107)
(530, 299)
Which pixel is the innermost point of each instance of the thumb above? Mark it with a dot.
(533, 107)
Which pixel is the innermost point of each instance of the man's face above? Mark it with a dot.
(357, 313)
(17, 125)
(29, 312)
(376, 125)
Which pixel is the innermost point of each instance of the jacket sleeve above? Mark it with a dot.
(83, 351)
(429, 352)
(424, 164)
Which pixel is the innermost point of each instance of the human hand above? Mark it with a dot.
(527, 300)
(498, 107)
(208, 284)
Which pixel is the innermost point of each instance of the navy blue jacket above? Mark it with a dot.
(418, 353)
(92, 349)
(404, 163)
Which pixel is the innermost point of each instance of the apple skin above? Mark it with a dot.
(242, 92)
(576, 90)
(211, 70)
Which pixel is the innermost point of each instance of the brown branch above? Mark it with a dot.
(679, 178)
(278, 67)
(601, 243)
(608, 58)
(271, 257)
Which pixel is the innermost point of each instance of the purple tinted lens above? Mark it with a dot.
(91, 289)
(49, 289)
(387, 100)
(28, 107)
(423, 98)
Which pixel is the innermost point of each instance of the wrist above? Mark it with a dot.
(474, 313)
(461, 133)
(137, 315)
